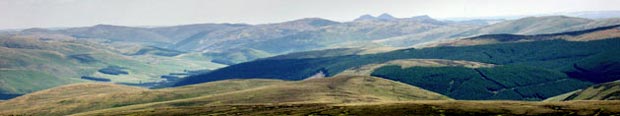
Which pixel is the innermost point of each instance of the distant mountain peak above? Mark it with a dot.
(421, 17)
(386, 16)
(104, 25)
(425, 19)
(312, 22)
(365, 17)
(107, 26)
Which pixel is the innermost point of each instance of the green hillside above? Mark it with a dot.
(603, 91)
(85, 97)
(27, 59)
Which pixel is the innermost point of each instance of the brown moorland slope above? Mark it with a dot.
(93, 96)
(604, 91)
(88, 97)
(424, 107)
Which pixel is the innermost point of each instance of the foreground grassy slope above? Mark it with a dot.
(460, 108)
(341, 89)
(92, 96)
(88, 97)
(604, 91)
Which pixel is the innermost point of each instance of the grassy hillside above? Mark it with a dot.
(603, 91)
(342, 89)
(230, 40)
(88, 97)
(92, 96)
(604, 32)
(540, 25)
(236, 56)
(473, 108)
(58, 59)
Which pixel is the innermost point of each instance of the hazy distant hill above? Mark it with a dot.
(597, 33)
(316, 33)
(540, 25)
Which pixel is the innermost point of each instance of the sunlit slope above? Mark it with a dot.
(443, 107)
(58, 59)
(604, 91)
(87, 97)
(340, 89)
(590, 34)
(76, 98)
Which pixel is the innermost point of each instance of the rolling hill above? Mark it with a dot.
(314, 66)
(82, 97)
(226, 40)
(604, 32)
(603, 91)
(540, 25)
(93, 96)
(29, 58)
(393, 108)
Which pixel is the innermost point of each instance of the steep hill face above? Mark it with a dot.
(603, 91)
(88, 97)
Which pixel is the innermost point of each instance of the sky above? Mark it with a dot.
(16, 14)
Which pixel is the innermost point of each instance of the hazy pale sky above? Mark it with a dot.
(72, 13)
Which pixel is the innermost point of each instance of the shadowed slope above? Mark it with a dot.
(366, 70)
